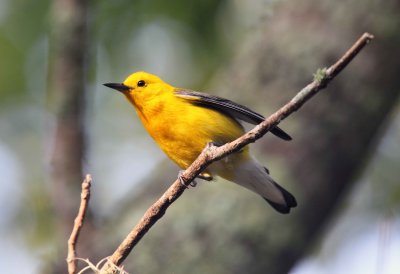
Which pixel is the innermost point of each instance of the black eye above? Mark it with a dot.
(141, 83)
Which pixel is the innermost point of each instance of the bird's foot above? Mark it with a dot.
(214, 144)
(183, 180)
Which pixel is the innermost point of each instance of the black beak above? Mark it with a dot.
(120, 87)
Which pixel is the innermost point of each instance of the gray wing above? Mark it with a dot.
(230, 108)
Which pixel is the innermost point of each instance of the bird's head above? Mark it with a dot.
(141, 86)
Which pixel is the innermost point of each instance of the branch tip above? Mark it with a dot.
(368, 36)
(78, 223)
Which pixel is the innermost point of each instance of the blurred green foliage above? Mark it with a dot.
(22, 24)
(117, 23)
(113, 24)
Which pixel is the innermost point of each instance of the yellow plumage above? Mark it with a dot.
(183, 122)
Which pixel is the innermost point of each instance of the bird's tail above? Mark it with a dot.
(251, 175)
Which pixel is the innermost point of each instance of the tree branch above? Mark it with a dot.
(85, 196)
(211, 153)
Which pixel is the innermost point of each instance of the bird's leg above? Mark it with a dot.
(183, 180)
(204, 175)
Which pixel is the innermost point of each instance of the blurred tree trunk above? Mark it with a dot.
(68, 53)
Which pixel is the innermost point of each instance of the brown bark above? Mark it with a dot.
(78, 223)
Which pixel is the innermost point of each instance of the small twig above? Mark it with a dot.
(212, 153)
(78, 222)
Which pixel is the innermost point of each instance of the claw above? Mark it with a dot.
(183, 181)
(216, 144)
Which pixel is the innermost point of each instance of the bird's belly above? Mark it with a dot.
(182, 149)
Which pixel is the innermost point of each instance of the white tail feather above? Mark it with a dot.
(247, 172)
(251, 175)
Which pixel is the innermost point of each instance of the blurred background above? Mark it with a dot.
(57, 123)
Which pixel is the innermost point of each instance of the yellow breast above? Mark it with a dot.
(182, 130)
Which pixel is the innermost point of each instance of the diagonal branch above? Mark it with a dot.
(211, 153)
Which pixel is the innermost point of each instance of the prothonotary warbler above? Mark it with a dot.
(183, 122)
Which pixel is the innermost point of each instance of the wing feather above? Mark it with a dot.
(228, 107)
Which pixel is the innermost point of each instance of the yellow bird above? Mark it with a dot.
(183, 122)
